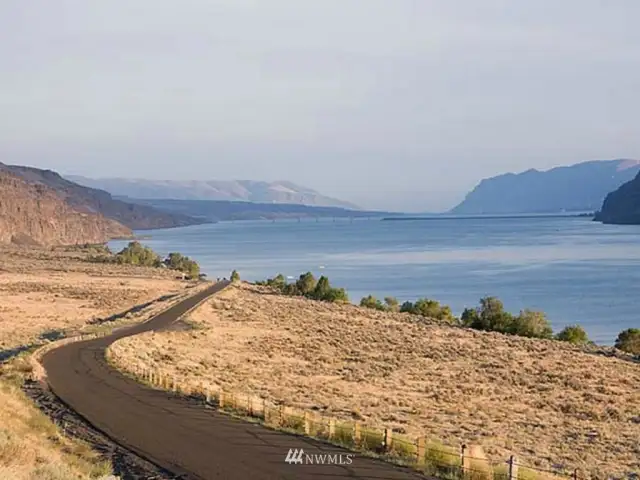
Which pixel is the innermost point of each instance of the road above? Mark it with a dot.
(178, 435)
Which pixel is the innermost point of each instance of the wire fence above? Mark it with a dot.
(425, 454)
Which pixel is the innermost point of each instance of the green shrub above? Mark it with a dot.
(392, 304)
(137, 254)
(337, 295)
(306, 283)
(531, 324)
(629, 341)
(235, 276)
(429, 308)
(177, 261)
(372, 302)
(573, 334)
(322, 289)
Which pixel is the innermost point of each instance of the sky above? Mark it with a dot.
(394, 104)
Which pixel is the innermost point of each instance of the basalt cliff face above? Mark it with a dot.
(91, 200)
(36, 214)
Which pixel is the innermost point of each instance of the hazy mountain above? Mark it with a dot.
(622, 206)
(580, 187)
(223, 210)
(240, 190)
(90, 200)
(36, 214)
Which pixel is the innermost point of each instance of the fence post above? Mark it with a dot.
(265, 412)
(513, 468)
(388, 438)
(175, 385)
(463, 459)
(221, 399)
(250, 405)
(357, 433)
(421, 445)
(575, 474)
(307, 423)
(332, 427)
(207, 396)
(282, 414)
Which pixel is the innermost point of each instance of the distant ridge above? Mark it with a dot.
(234, 190)
(622, 206)
(577, 188)
(91, 200)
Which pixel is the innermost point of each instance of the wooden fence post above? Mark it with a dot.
(513, 468)
(175, 385)
(388, 438)
(250, 405)
(207, 396)
(307, 423)
(421, 444)
(221, 399)
(464, 461)
(357, 433)
(332, 427)
(265, 412)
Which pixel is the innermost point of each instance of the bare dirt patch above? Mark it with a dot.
(552, 404)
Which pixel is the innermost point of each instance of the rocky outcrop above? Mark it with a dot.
(36, 214)
(91, 200)
(623, 205)
(580, 187)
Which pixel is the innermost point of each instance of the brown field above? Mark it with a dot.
(551, 404)
(47, 290)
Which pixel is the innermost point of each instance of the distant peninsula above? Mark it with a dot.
(577, 188)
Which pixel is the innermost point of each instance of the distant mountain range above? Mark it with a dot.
(623, 205)
(238, 190)
(224, 210)
(576, 188)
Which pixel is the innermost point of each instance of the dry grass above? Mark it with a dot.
(551, 404)
(44, 291)
(32, 448)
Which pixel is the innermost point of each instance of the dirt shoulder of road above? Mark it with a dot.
(552, 404)
(50, 293)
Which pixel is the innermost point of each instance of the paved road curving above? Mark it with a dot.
(184, 438)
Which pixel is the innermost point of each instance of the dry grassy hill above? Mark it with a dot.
(552, 404)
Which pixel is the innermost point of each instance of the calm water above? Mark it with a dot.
(575, 270)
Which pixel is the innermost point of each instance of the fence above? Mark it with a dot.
(424, 454)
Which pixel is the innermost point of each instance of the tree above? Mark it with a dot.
(531, 324)
(392, 304)
(573, 334)
(177, 261)
(137, 254)
(338, 295)
(372, 302)
(629, 341)
(235, 276)
(470, 318)
(278, 281)
(408, 307)
(492, 317)
(306, 283)
(322, 288)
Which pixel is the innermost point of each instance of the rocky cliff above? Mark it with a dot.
(623, 205)
(36, 214)
(91, 200)
(580, 187)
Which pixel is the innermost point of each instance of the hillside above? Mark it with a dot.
(235, 190)
(36, 214)
(552, 404)
(580, 187)
(90, 200)
(622, 206)
(220, 210)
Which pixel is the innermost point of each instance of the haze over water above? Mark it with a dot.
(575, 270)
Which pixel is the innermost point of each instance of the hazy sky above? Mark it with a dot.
(388, 103)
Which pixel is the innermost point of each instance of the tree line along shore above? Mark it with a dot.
(489, 315)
